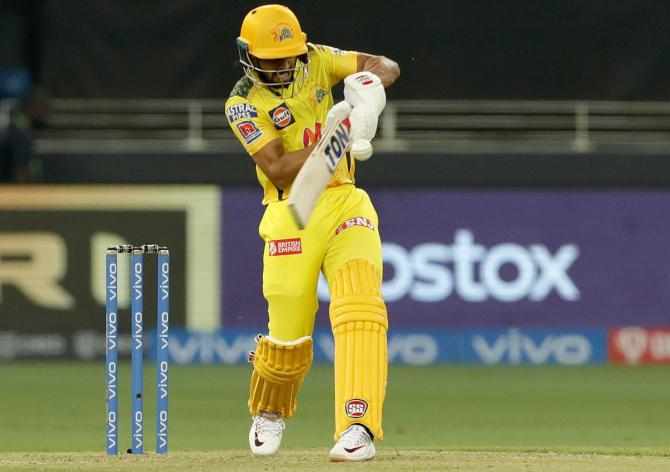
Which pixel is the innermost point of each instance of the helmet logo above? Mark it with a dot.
(282, 116)
(281, 32)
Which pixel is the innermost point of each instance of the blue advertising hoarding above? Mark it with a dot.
(489, 347)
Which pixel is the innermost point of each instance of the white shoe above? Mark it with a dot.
(355, 445)
(265, 434)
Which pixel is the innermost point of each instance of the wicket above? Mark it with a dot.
(137, 346)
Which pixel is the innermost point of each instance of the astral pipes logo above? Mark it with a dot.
(507, 272)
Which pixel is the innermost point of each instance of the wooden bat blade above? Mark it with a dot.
(317, 171)
(307, 188)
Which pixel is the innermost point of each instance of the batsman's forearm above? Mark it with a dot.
(384, 68)
(288, 166)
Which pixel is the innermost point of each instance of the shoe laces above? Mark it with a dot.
(354, 436)
(269, 424)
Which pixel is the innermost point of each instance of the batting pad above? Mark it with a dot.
(359, 322)
(279, 369)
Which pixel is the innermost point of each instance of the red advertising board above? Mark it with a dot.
(638, 345)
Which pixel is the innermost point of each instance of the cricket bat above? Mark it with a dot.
(317, 170)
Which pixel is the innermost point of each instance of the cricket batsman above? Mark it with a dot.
(277, 111)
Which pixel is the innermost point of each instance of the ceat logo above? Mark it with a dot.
(285, 247)
(355, 408)
(364, 79)
(357, 221)
(281, 116)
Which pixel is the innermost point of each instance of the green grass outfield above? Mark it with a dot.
(52, 417)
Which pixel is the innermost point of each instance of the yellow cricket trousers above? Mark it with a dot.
(343, 227)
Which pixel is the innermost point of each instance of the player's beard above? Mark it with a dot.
(276, 81)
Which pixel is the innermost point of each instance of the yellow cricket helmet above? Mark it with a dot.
(273, 32)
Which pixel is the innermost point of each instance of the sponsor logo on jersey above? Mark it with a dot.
(355, 408)
(357, 221)
(285, 247)
(282, 32)
(309, 137)
(317, 93)
(282, 116)
(240, 111)
(364, 79)
(249, 131)
(320, 94)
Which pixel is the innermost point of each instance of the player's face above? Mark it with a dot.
(278, 65)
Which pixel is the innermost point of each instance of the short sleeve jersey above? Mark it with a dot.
(258, 115)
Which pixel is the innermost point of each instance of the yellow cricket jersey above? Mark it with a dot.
(257, 115)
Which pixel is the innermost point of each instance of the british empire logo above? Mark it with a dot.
(285, 247)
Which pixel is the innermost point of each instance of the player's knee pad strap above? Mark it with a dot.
(279, 369)
(359, 321)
